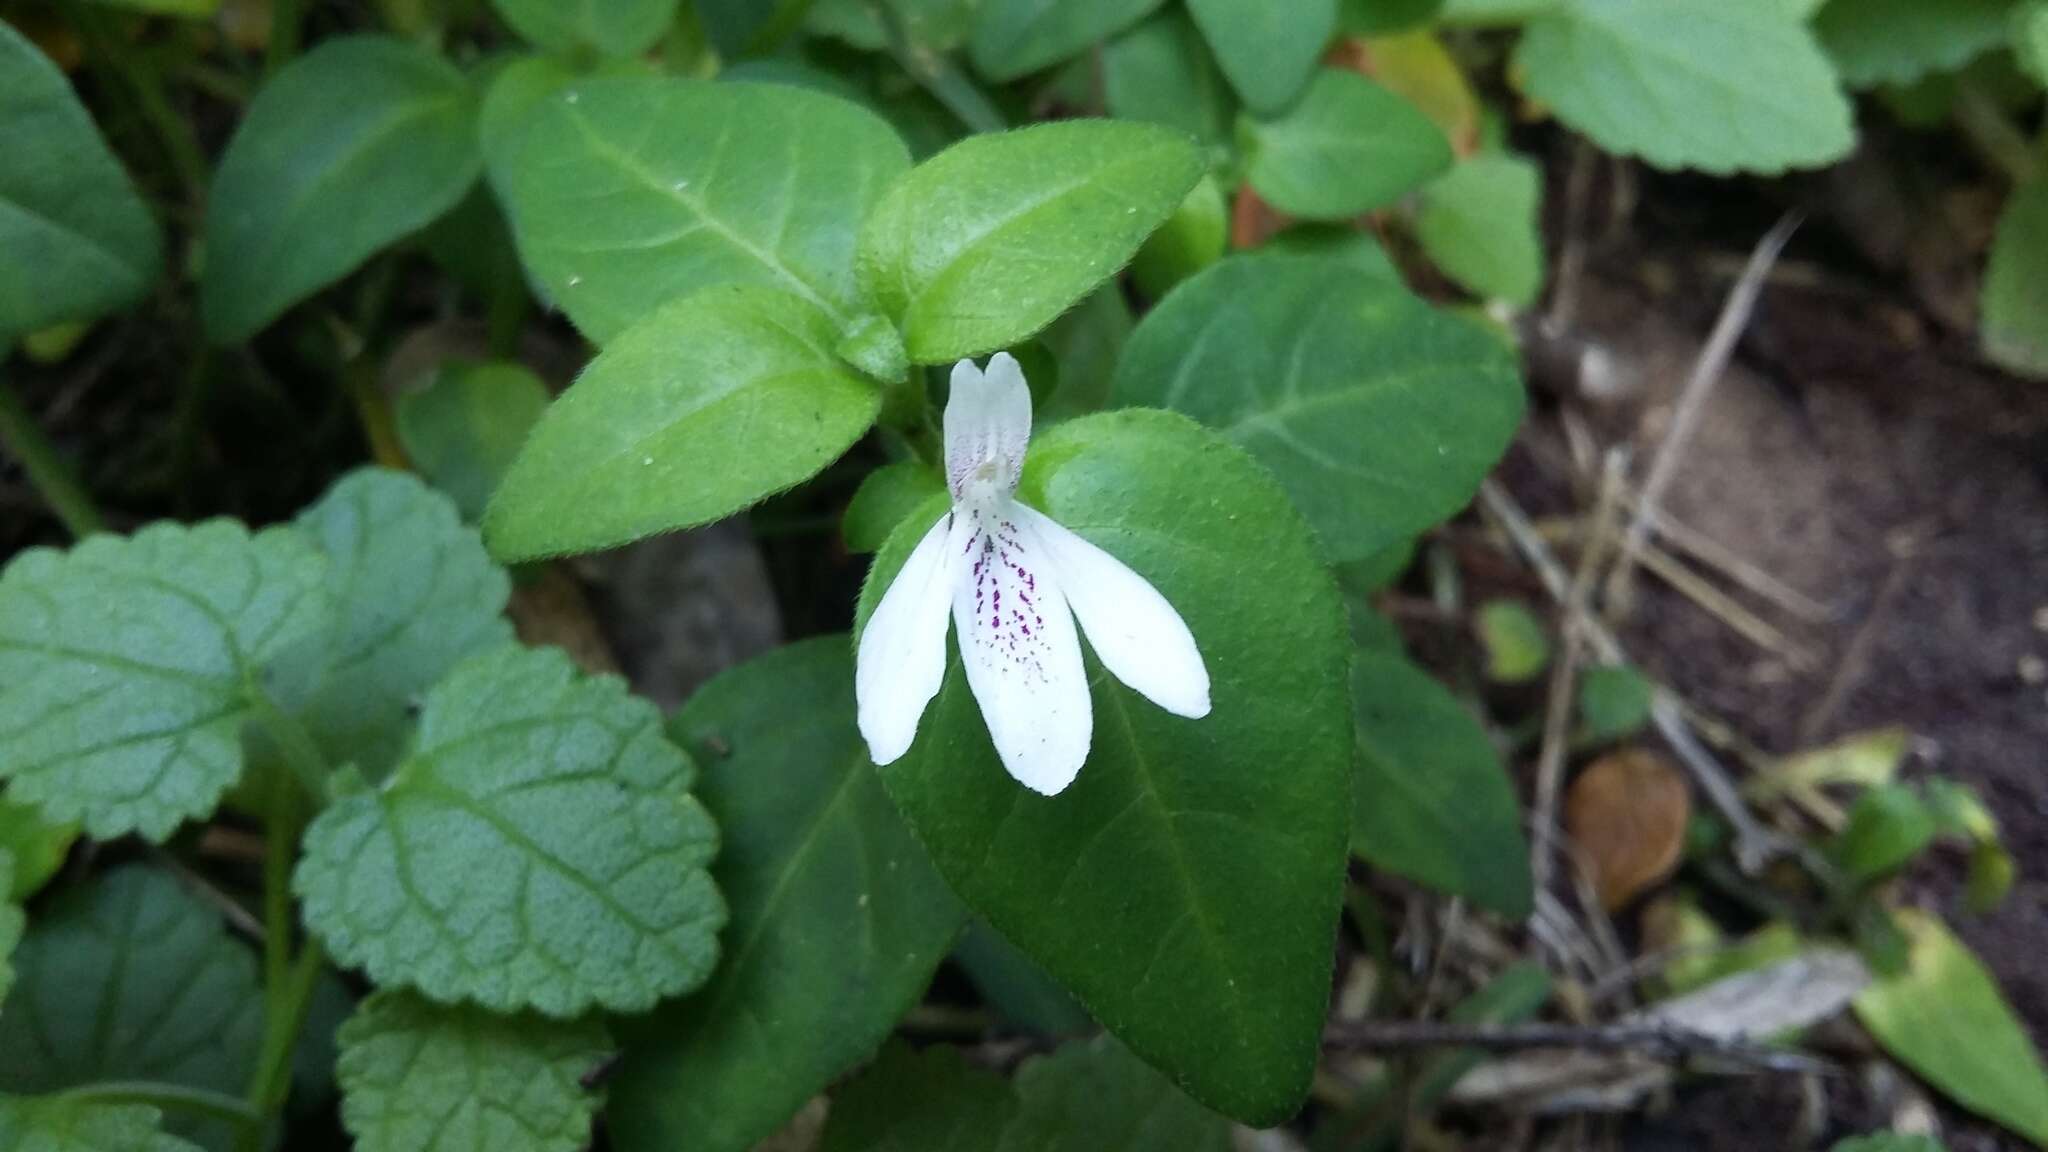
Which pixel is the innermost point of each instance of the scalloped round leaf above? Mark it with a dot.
(58, 1124)
(1014, 38)
(1184, 890)
(1268, 50)
(536, 849)
(356, 144)
(627, 192)
(79, 240)
(712, 403)
(421, 1077)
(132, 977)
(988, 242)
(1349, 147)
(610, 27)
(1874, 42)
(1724, 87)
(838, 919)
(1379, 414)
(129, 665)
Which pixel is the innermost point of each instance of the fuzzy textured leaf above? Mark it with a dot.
(2014, 328)
(1015, 38)
(56, 1124)
(1348, 147)
(419, 1077)
(128, 667)
(1875, 42)
(536, 849)
(78, 239)
(1378, 414)
(1268, 50)
(610, 27)
(1481, 224)
(838, 919)
(628, 192)
(1181, 889)
(988, 242)
(357, 144)
(1724, 87)
(712, 403)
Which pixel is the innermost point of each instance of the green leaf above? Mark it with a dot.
(1732, 86)
(711, 404)
(1162, 71)
(1875, 42)
(1349, 147)
(1183, 892)
(1357, 247)
(129, 665)
(79, 241)
(57, 1124)
(535, 850)
(889, 493)
(36, 846)
(838, 919)
(132, 977)
(629, 192)
(608, 27)
(1378, 414)
(1016, 989)
(989, 241)
(1517, 645)
(1480, 223)
(1193, 238)
(2016, 285)
(12, 922)
(415, 593)
(1943, 1017)
(464, 427)
(1015, 38)
(2030, 39)
(1096, 1095)
(1434, 803)
(188, 9)
(1614, 703)
(353, 146)
(418, 1077)
(1268, 50)
(1086, 343)
(934, 25)
(1888, 827)
(912, 1101)
(1889, 1142)
(1384, 17)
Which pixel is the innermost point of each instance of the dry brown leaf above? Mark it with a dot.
(1626, 813)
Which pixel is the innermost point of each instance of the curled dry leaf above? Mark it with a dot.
(1627, 814)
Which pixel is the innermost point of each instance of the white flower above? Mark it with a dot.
(1014, 582)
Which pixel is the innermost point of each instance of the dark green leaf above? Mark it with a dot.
(464, 427)
(1268, 50)
(1888, 826)
(1193, 238)
(887, 495)
(2016, 285)
(609, 27)
(1086, 343)
(1096, 1095)
(1357, 247)
(1614, 703)
(1017, 989)
(1481, 224)
(57, 1124)
(1162, 71)
(37, 847)
(929, 1101)
(1876, 42)
(1349, 147)
(934, 25)
(1017, 37)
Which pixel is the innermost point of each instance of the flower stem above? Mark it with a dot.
(48, 473)
(284, 1013)
(937, 74)
(171, 1098)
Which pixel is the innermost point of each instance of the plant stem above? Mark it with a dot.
(1993, 134)
(47, 471)
(280, 842)
(171, 1098)
(175, 136)
(284, 1013)
(301, 755)
(938, 75)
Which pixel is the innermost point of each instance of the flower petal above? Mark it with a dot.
(902, 656)
(988, 426)
(1135, 632)
(1022, 655)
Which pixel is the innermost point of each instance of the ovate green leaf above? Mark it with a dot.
(1017, 37)
(1268, 50)
(536, 849)
(1348, 147)
(2014, 327)
(987, 242)
(1378, 414)
(37, 847)
(934, 25)
(1384, 17)
(928, 1101)
(78, 240)
(1944, 1018)
(1193, 238)
(356, 144)
(2030, 39)
(1517, 645)
(887, 495)
(1876, 42)
(57, 1124)
(419, 1077)
(609, 27)
(1434, 803)
(1096, 1095)
(838, 919)
(464, 427)
(1888, 826)
(1162, 71)
(129, 666)
(712, 403)
(1184, 892)
(628, 192)
(1481, 224)
(1731, 86)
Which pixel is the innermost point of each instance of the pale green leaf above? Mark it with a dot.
(710, 404)
(1875, 42)
(1183, 892)
(536, 849)
(353, 146)
(1162, 71)
(989, 241)
(79, 241)
(2014, 328)
(1482, 224)
(463, 428)
(1724, 87)
(37, 847)
(1015, 38)
(920, 1101)
(1944, 1018)
(1348, 147)
(1193, 238)
(1379, 414)
(887, 495)
(838, 919)
(1268, 50)
(2030, 39)
(132, 977)
(1614, 703)
(57, 1124)
(1516, 643)
(628, 192)
(1888, 826)
(419, 1077)
(608, 27)
(1095, 1095)
(1434, 803)
(128, 667)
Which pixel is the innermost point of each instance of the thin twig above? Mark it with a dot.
(1725, 608)
(48, 472)
(1706, 372)
(1707, 551)
(1657, 1041)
